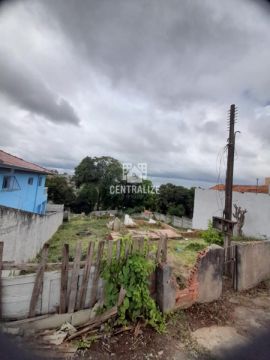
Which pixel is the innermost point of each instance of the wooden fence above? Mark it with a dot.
(66, 286)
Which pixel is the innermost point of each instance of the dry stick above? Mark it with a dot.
(90, 325)
(1, 263)
(38, 281)
(64, 279)
(95, 322)
(86, 274)
(74, 278)
(110, 248)
(96, 274)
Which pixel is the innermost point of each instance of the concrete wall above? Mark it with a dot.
(210, 203)
(17, 291)
(24, 195)
(24, 233)
(253, 264)
(204, 283)
(180, 222)
(54, 207)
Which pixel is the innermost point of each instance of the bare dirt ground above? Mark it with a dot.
(204, 331)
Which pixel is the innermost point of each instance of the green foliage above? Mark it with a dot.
(176, 210)
(133, 274)
(195, 246)
(86, 199)
(59, 191)
(175, 200)
(212, 236)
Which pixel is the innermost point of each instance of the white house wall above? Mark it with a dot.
(210, 203)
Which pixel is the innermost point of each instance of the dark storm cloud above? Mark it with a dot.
(155, 77)
(168, 50)
(25, 89)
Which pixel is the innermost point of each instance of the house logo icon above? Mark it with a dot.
(134, 174)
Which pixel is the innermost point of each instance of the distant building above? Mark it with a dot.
(262, 189)
(255, 199)
(22, 184)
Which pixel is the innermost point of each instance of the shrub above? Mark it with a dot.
(212, 236)
(133, 274)
(195, 246)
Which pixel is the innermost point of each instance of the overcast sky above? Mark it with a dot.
(140, 80)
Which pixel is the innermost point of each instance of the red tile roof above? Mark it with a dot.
(244, 188)
(8, 160)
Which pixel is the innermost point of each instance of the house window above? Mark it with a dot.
(6, 182)
(39, 181)
(30, 181)
(10, 183)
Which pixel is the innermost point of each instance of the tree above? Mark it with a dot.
(100, 173)
(176, 200)
(59, 191)
(86, 199)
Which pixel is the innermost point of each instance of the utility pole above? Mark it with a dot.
(230, 164)
(229, 186)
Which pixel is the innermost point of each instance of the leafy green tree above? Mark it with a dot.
(59, 191)
(86, 199)
(175, 200)
(100, 173)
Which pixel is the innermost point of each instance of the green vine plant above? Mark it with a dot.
(133, 274)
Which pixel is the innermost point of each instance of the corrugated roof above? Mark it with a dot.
(9, 160)
(264, 189)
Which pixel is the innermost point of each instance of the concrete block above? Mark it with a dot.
(165, 288)
(209, 274)
(253, 265)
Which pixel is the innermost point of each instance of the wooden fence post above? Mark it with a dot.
(74, 278)
(38, 281)
(86, 274)
(1, 265)
(64, 279)
(110, 250)
(97, 273)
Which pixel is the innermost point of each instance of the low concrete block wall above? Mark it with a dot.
(17, 291)
(253, 264)
(204, 283)
(24, 233)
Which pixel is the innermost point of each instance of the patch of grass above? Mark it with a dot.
(182, 254)
(78, 228)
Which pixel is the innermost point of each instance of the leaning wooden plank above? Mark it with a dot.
(97, 321)
(86, 274)
(160, 245)
(38, 281)
(64, 279)
(118, 249)
(74, 278)
(34, 266)
(110, 250)
(1, 264)
(164, 249)
(141, 245)
(93, 297)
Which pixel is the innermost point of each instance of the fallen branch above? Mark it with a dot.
(97, 321)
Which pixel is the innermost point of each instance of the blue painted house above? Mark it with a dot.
(22, 184)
